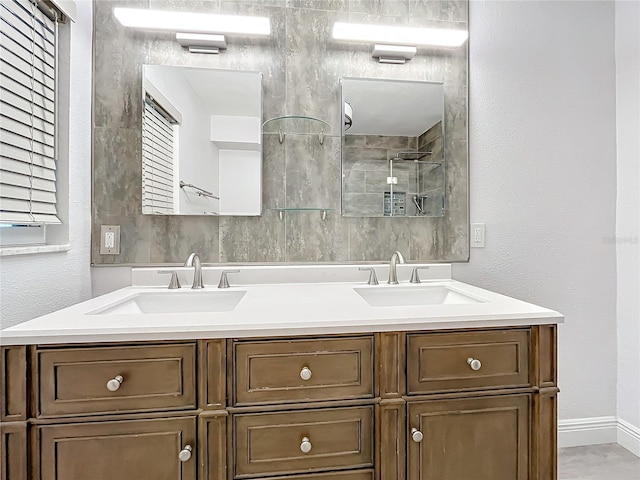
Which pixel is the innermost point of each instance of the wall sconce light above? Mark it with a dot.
(396, 44)
(200, 32)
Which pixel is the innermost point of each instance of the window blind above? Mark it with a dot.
(27, 114)
(157, 160)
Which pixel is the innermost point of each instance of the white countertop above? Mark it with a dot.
(277, 309)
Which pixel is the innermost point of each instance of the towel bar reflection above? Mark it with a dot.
(200, 191)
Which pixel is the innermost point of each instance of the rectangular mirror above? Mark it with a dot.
(201, 141)
(393, 158)
(301, 65)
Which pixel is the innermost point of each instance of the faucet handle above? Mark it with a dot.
(224, 283)
(174, 283)
(414, 274)
(373, 279)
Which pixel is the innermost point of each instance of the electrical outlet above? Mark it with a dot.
(477, 235)
(109, 239)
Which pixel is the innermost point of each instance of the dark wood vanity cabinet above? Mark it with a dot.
(442, 405)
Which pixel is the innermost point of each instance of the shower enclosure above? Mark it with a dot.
(425, 193)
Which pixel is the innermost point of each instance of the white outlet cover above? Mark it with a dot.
(478, 233)
(110, 240)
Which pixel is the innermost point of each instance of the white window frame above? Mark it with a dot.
(20, 235)
(28, 239)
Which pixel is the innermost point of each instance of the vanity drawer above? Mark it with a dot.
(74, 381)
(274, 443)
(289, 371)
(469, 360)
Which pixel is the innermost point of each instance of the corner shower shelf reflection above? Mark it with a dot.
(297, 125)
(323, 211)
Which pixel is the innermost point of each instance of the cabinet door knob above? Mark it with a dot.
(416, 435)
(305, 445)
(114, 383)
(185, 453)
(474, 363)
(305, 373)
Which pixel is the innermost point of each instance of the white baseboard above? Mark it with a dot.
(579, 432)
(629, 437)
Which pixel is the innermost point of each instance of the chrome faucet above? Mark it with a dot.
(194, 261)
(393, 274)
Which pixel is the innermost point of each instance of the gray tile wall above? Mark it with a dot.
(301, 65)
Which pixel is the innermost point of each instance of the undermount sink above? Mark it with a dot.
(393, 296)
(175, 302)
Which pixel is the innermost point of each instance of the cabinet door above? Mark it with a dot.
(13, 451)
(483, 438)
(118, 450)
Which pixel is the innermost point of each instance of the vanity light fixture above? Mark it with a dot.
(393, 53)
(202, 42)
(397, 44)
(200, 32)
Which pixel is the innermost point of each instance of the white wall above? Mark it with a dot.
(199, 157)
(241, 184)
(627, 50)
(33, 285)
(543, 178)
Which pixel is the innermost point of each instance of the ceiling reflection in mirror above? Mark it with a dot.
(201, 141)
(393, 158)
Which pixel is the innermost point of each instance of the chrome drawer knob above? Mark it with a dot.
(114, 383)
(416, 435)
(474, 363)
(305, 373)
(185, 453)
(305, 445)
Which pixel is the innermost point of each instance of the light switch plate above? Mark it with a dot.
(477, 235)
(110, 240)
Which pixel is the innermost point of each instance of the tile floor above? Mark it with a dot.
(598, 462)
